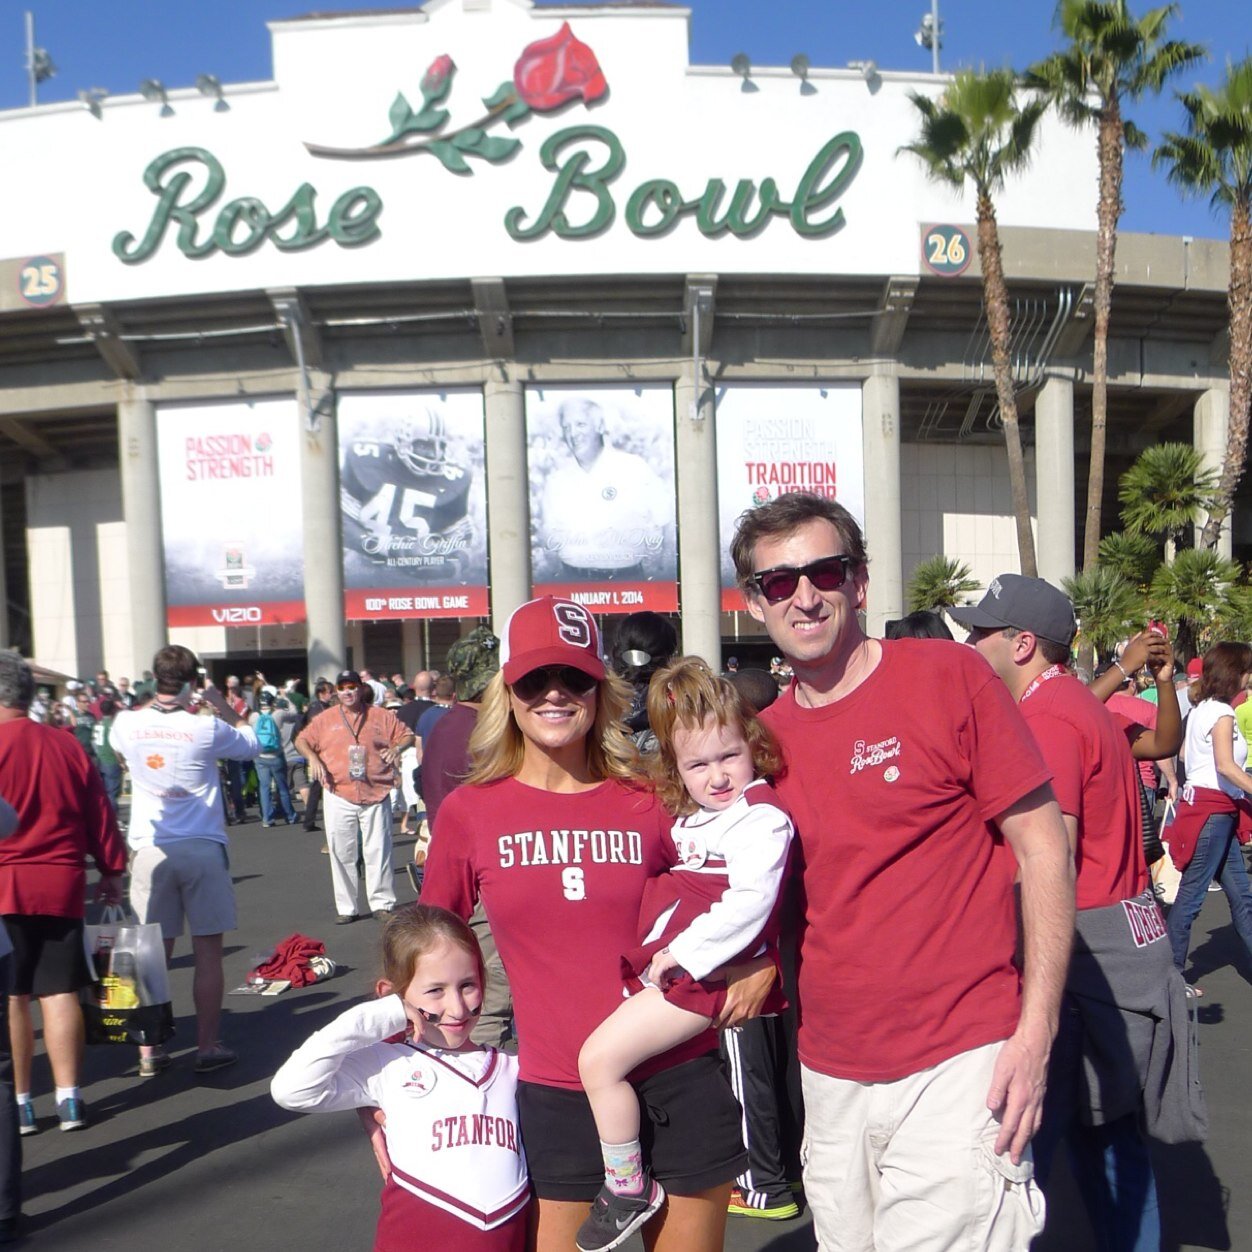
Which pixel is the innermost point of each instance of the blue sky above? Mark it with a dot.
(115, 43)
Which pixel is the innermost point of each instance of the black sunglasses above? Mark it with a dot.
(533, 684)
(347, 687)
(780, 583)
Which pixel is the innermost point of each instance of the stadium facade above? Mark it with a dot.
(291, 368)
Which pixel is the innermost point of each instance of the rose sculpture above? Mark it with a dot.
(552, 72)
(549, 73)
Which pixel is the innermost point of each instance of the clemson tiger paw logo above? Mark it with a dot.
(155, 761)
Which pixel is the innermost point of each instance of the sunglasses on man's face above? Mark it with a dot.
(781, 582)
(538, 681)
(346, 687)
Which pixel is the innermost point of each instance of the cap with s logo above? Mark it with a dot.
(550, 631)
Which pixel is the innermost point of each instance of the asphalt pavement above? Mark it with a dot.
(178, 1163)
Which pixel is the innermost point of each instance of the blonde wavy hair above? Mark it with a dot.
(496, 746)
(685, 695)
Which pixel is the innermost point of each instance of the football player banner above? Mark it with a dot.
(231, 513)
(776, 439)
(413, 499)
(601, 462)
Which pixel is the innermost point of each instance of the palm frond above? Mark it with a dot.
(1132, 555)
(940, 582)
(1166, 490)
(1105, 604)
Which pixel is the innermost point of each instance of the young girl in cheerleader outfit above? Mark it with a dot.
(458, 1174)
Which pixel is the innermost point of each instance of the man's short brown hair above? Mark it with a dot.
(173, 666)
(784, 515)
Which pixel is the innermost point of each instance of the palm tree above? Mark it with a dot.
(1215, 157)
(977, 133)
(1112, 57)
(1133, 556)
(1105, 604)
(1197, 589)
(939, 583)
(1165, 492)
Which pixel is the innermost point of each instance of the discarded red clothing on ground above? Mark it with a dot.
(291, 961)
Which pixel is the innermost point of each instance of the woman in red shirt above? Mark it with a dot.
(556, 836)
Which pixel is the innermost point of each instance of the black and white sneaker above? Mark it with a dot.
(614, 1218)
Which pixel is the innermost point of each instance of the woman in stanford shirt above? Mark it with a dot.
(556, 837)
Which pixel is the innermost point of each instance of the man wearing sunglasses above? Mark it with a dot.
(923, 1054)
(352, 749)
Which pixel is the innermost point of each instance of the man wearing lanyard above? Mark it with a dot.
(352, 750)
(1123, 1064)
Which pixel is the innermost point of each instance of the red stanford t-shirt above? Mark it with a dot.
(906, 956)
(1093, 775)
(561, 878)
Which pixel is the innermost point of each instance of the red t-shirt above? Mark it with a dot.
(64, 817)
(1094, 779)
(906, 953)
(561, 878)
(1130, 713)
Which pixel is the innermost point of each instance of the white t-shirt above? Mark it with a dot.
(172, 758)
(1201, 767)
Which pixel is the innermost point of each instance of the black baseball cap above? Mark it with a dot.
(348, 676)
(1025, 604)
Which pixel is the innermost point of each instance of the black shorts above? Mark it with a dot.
(48, 956)
(689, 1127)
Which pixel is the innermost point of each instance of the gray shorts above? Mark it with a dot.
(188, 878)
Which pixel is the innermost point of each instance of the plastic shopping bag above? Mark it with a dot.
(128, 1001)
(1165, 875)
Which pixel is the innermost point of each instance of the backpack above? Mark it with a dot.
(267, 734)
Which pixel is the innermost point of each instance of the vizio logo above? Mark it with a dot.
(232, 616)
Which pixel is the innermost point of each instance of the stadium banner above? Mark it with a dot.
(413, 498)
(771, 440)
(602, 501)
(230, 513)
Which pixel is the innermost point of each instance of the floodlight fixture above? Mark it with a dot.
(800, 68)
(211, 85)
(742, 66)
(154, 89)
(92, 98)
(930, 34)
(868, 70)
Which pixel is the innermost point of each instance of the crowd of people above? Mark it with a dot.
(763, 875)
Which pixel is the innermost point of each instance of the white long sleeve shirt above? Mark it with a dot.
(452, 1131)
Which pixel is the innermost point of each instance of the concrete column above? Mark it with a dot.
(1054, 480)
(323, 543)
(699, 554)
(1212, 417)
(141, 507)
(880, 414)
(508, 499)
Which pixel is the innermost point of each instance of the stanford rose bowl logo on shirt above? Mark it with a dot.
(421, 1080)
(549, 74)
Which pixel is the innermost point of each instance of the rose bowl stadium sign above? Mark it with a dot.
(587, 163)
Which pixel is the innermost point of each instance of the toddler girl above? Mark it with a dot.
(712, 909)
